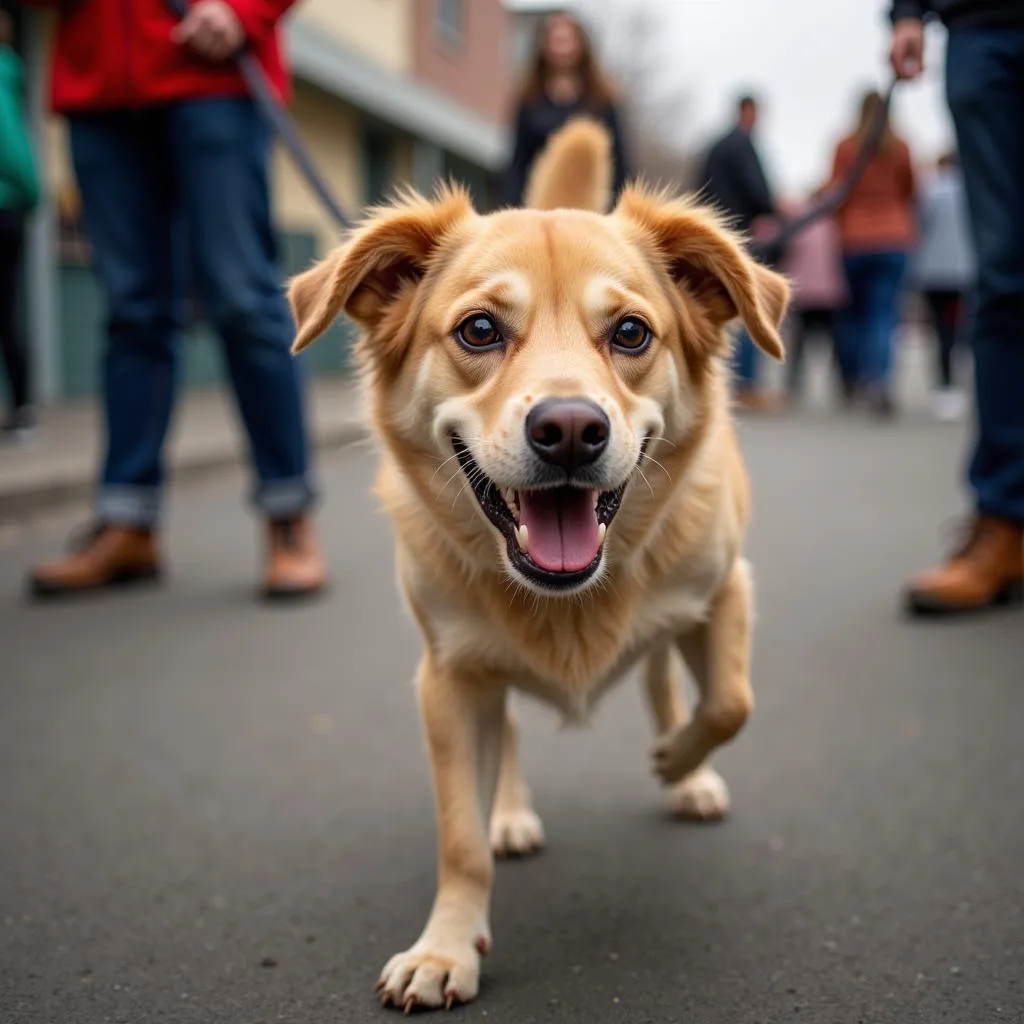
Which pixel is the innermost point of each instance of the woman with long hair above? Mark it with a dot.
(564, 80)
(876, 231)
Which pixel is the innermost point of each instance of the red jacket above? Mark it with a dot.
(119, 53)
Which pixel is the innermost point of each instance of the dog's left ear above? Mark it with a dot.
(701, 254)
(364, 276)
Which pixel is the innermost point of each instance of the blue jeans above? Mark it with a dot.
(167, 191)
(984, 75)
(867, 324)
(745, 360)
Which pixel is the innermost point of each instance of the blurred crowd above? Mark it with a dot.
(180, 160)
(896, 251)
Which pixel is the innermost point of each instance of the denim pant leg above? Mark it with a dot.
(221, 149)
(852, 323)
(123, 174)
(984, 71)
(745, 360)
(883, 286)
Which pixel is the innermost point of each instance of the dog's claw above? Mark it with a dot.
(410, 1003)
(449, 1001)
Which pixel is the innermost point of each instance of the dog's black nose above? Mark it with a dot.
(568, 432)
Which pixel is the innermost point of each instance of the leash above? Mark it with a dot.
(262, 93)
(831, 202)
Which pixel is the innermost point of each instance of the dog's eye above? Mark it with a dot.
(478, 332)
(632, 336)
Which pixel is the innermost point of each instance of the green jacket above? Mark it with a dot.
(19, 183)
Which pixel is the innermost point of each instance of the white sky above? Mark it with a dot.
(809, 60)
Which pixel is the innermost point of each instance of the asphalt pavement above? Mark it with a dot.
(212, 810)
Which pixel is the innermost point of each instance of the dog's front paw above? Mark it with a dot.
(702, 796)
(430, 976)
(516, 833)
(674, 756)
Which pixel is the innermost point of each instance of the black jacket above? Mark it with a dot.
(734, 180)
(963, 13)
(539, 120)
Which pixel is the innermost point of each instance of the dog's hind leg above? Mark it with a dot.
(516, 830)
(718, 654)
(703, 794)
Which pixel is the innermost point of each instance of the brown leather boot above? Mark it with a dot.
(988, 570)
(105, 555)
(295, 567)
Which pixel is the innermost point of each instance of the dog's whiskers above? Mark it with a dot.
(655, 462)
(643, 476)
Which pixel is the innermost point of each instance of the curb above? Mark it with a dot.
(69, 488)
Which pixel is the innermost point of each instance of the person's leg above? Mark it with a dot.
(12, 235)
(884, 290)
(985, 84)
(746, 362)
(128, 204)
(830, 329)
(850, 329)
(127, 208)
(941, 309)
(948, 403)
(221, 151)
(985, 90)
(795, 351)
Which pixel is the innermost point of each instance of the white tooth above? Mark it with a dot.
(523, 536)
(602, 529)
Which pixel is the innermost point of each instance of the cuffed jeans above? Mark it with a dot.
(984, 75)
(165, 190)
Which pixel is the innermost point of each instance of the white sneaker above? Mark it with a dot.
(949, 405)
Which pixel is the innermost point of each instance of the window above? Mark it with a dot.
(451, 22)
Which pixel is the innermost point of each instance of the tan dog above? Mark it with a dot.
(562, 470)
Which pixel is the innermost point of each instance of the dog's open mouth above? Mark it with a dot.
(554, 535)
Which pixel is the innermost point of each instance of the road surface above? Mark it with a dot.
(216, 811)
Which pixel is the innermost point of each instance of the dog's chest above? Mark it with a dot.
(569, 654)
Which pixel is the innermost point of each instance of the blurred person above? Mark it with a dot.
(943, 271)
(19, 193)
(876, 230)
(733, 179)
(167, 147)
(984, 72)
(565, 80)
(813, 263)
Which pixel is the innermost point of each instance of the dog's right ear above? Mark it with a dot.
(363, 276)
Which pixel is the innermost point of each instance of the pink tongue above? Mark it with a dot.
(562, 527)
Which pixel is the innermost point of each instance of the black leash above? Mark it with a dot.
(832, 200)
(284, 124)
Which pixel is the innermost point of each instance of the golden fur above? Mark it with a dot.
(672, 581)
(573, 170)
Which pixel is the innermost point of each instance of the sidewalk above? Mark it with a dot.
(60, 466)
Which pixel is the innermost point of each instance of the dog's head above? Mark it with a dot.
(546, 354)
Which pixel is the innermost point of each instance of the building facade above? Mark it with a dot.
(386, 92)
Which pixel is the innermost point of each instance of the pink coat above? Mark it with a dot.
(813, 264)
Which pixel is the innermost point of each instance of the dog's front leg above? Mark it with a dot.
(463, 720)
(718, 654)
